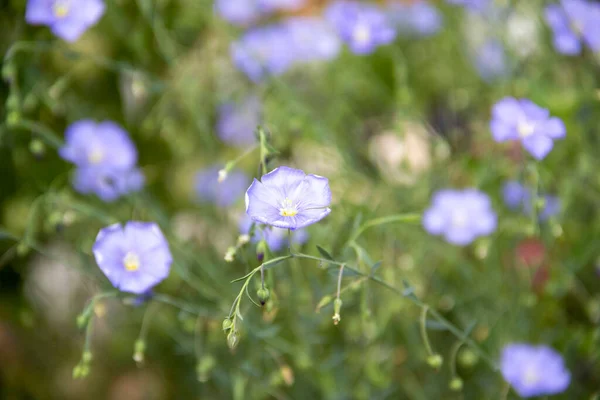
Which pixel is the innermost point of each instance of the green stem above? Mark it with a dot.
(44, 133)
(423, 328)
(384, 220)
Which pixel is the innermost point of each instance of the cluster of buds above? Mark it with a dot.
(232, 336)
(82, 369)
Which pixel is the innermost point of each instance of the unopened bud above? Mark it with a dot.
(81, 321)
(232, 340)
(222, 175)
(261, 249)
(337, 306)
(77, 372)
(467, 358)
(227, 324)
(139, 348)
(86, 357)
(13, 118)
(243, 239)
(263, 295)
(456, 384)
(37, 148)
(435, 361)
(230, 254)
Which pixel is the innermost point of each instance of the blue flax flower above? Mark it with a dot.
(364, 27)
(490, 60)
(518, 197)
(262, 52)
(237, 121)
(523, 120)
(238, 12)
(418, 18)
(574, 22)
(460, 216)
(223, 193)
(311, 39)
(135, 257)
(288, 198)
(105, 158)
(276, 238)
(534, 370)
(68, 19)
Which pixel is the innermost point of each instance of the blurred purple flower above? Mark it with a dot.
(262, 51)
(574, 22)
(276, 238)
(68, 19)
(238, 12)
(419, 18)
(135, 257)
(460, 215)
(105, 157)
(108, 183)
(362, 26)
(103, 144)
(534, 370)
(311, 39)
(490, 60)
(523, 120)
(237, 121)
(473, 5)
(281, 5)
(288, 198)
(225, 193)
(517, 196)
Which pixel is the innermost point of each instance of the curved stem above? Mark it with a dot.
(423, 327)
(384, 220)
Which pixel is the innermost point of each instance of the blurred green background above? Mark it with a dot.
(387, 129)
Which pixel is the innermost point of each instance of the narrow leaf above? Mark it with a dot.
(324, 253)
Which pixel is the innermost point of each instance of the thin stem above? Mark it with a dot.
(163, 298)
(423, 327)
(262, 277)
(339, 282)
(453, 355)
(45, 133)
(384, 220)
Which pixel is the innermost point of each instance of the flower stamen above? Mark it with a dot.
(288, 209)
(131, 261)
(61, 8)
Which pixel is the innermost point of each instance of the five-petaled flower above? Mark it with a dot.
(523, 120)
(135, 257)
(105, 158)
(363, 26)
(534, 370)
(68, 19)
(573, 22)
(288, 198)
(460, 216)
(276, 238)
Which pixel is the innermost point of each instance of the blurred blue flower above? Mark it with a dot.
(516, 196)
(238, 12)
(460, 216)
(105, 157)
(262, 51)
(311, 39)
(281, 5)
(419, 18)
(276, 238)
(490, 60)
(237, 121)
(288, 198)
(534, 370)
(473, 5)
(135, 257)
(574, 22)
(68, 19)
(103, 144)
(107, 183)
(362, 26)
(523, 120)
(225, 193)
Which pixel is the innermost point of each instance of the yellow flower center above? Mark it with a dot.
(131, 262)
(61, 8)
(288, 209)
(525, 128)
(96, 156)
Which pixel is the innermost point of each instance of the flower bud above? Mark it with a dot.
(81, 321)
(77, 372)
(337, 306)
(263, 295)
(86, 357)
(227, 324)
(139, 348)
(435, 361)
(243, 239)
(232, 340)
(37, 148)
(230, 254)
(456, 384)
(13, 118)
(261, 249)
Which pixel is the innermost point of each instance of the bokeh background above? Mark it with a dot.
(388, 129)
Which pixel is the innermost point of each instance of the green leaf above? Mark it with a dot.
(324, 253)
(375, 267)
